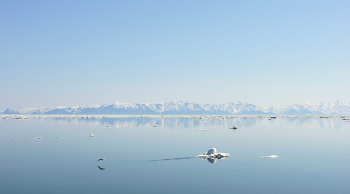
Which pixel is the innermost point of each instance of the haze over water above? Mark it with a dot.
(158, 155)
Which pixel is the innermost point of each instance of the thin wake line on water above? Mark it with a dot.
(167, 159)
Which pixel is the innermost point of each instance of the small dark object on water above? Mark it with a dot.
(234, 127)
(101, 159)
(107, 126)
(101, 168)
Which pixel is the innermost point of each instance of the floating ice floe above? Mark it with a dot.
(200, 130)
(272, 156)
(212, 153)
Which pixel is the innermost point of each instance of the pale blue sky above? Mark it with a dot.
(266, 53)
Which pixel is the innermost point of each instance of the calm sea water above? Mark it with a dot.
(314, 155)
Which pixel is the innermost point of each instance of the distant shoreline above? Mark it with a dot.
(20, 116)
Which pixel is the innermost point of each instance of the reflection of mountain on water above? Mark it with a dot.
(161, 122)
(312, 122)
(192, 122)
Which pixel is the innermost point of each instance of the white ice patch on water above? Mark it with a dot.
(272, 156)
(212, 153)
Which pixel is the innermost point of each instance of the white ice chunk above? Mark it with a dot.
(212, 153)
(272, 156)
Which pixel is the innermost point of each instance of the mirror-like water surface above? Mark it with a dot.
(158, 155)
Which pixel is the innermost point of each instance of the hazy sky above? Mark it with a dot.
(266, 53)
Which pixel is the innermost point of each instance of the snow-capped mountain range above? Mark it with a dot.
(190, 108)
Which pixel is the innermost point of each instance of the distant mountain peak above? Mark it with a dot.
(183, 108)
(10, 111)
